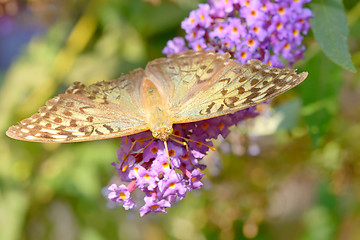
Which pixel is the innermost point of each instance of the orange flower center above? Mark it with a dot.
(122, 195)
(155, 207)
(154, 150)
(251, 42)
(171, 152)
(205, 126)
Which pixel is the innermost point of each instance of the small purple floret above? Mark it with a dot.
(151, 205)
(121, 194)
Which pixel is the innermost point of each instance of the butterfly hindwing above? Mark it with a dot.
(183, 75)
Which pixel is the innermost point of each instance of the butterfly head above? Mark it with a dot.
(162, 131)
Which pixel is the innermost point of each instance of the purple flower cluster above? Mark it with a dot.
(271, 31)
(8, 12)
(144, 164)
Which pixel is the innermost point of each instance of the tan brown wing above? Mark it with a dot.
(239, 87)
(202, 85)
(190, 86)
(99, 111)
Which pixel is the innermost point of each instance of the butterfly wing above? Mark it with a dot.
(100, 111)
(196, 85)
(203, 85)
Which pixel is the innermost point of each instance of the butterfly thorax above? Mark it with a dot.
(156, 109)
(162, 132)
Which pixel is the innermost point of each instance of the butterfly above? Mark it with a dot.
(185, 87)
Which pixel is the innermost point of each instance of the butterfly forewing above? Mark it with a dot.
(102, 110)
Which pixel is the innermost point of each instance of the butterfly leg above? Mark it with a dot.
(185, 143)
(167, 153)
(125, 158)
(187, 139)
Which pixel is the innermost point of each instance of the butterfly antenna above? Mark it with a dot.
(137, 154)
(198, 142)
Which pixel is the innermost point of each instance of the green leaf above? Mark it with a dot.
(290, 111)
(331, 31)
(320, 92)
(319, 224)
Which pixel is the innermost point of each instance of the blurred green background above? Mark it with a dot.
(304, 183)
